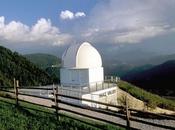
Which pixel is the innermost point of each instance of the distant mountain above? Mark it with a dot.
(127, 57)
(122, 65)
(122, 61)
(154, 60)
(158, 79)
(43, 60)
(49, 63)
(117, 69)
(13, 65)
(158, 59)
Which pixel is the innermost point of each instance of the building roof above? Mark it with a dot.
(81, 56)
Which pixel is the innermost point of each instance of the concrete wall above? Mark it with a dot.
(73, 77)
(96, 75)
(106, 95)
(81, 77)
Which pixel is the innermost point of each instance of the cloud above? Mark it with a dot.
(80, 14)
(2, 19)
(110, 21)
(137, 36)
(40, 34)
(66, 15)
(118, 21)
(70, 15)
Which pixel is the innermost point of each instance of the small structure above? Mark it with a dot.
(82, 75)
(81, 66)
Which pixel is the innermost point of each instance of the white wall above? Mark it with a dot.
(81, 77)
(90, 97)
(106, 95)
(74, 77)
(96, 75)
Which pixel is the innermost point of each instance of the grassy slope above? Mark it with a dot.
(152, 100)
(12, 118)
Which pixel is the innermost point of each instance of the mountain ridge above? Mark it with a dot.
(48, 62)
(158, 79)
(43, 60)
(14, 65)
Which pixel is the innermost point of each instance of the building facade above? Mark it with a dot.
(81, 66)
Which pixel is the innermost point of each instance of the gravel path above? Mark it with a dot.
(104, 116)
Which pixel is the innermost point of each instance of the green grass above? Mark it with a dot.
(152, 100)
(33, 117)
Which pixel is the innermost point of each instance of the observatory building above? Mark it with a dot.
(81, 66)
(82, 75)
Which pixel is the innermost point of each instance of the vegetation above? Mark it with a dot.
(54, 72)
(43, 60)
(30, 117)
(121, 69)
(150, 99)
(158, 79)
(49, 63)
(14, 65)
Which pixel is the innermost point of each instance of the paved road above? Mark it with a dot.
(104, 116)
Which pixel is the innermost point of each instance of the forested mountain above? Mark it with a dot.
(158, 79)
(43, 60)
(13, 65)
(49, 63)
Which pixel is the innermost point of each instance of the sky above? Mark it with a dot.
(113, 26)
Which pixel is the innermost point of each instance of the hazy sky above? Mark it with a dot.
(111, 25)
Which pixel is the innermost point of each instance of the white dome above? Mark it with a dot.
(81, 56)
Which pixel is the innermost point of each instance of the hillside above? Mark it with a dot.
(13, 65)
(123, 69)
(43, 60)
(151, 100)
(158, 79)
(49, 63)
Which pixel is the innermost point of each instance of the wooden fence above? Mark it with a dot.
(123, 112)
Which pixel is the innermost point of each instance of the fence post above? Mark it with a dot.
(96, 87)
(14, 84)
(56, 101)
(127, 114)
(16, 87)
